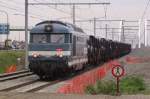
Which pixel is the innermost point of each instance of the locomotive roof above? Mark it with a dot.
(58, 27)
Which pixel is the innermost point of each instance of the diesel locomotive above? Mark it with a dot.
(57, 48)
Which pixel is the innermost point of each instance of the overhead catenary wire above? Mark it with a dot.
(60, 10)
(21, 10)
(55, 8)
(145, 10)
(14, 2)
(18, 9)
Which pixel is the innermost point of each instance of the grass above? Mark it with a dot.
(132, 85)
(128, 85)
(101, 87)
(8, 58)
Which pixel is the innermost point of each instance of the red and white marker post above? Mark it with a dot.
(118, 71)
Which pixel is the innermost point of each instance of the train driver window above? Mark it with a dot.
(39, 38)
(57, 38)
(43, 39)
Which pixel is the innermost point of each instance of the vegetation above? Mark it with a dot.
(101, 87)
(128, 85)
(8, 58)
(132, 85)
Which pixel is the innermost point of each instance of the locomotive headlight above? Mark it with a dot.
(35, 55)
(61, 55)
(59, 52)
(48, 28)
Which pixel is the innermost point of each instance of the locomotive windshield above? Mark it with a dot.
(39, 38)
(54, 38)
(51, 38)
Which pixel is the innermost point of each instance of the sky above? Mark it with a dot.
(118, 9)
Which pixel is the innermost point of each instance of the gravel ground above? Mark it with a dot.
(142, 69)
(142, 52)
(69, 96)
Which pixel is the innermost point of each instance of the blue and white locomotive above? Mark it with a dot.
(55, 48)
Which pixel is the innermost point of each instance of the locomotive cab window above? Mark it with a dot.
(39, 38)
(54, 38)
(51, 38)
(60, 38)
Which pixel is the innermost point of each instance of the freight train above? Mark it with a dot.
(57, 48)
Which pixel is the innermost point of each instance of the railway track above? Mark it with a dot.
(23, 81)
(15, 75)
(31, 86)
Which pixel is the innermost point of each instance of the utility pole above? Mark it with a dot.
(132, 43)
(139, 34)
(106, 26)
(121, 30)
(123, 35)
(112, 34)
(105, 10)
(73, 15)
(26, 34)
(94, 22)
(145, 36)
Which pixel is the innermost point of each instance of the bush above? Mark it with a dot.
(132, 85)
(90, 89)
(128, 85)
(8, 58)
(101, 87)
(105, 87)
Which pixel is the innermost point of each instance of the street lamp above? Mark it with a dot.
(7, 21)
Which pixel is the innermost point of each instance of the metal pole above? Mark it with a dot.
(106, 30)
(121, 30)
(105, 10)
(94, 21)
(123, 35)
(26, 34)
(113, 34)
(73, 14)
(7, 24)
(139, 34)
(118, 91)
(19, 36)
(132, 43)
(145, 33)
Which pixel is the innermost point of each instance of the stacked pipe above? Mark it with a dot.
(102, 50)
